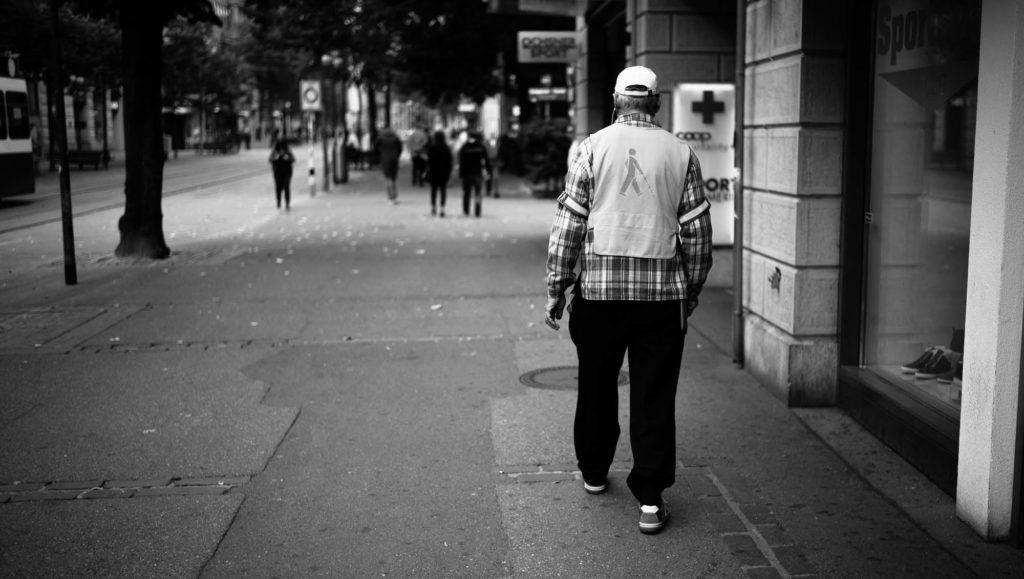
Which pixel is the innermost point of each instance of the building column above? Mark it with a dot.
(995, 290)
(793, 169)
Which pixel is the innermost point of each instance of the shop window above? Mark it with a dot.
(919, 204)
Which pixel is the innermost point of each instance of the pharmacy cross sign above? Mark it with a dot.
(708, 107)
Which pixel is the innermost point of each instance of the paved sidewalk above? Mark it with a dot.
(336, 391)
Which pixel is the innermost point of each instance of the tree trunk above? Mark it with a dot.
(371, 111)
(141, 226)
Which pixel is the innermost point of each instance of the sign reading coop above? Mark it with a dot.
(546, 46)
(704, 116)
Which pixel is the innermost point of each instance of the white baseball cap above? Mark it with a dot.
(637, 81)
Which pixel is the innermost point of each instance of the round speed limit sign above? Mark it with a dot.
(310, 93)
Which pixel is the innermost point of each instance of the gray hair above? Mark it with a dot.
(647, 104)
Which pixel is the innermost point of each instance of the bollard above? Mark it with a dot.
(312, 170)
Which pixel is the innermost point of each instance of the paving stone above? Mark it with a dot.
(559, 468)
(762, 572)
(696, 461)
(108, 494)
(745, 550)
(774, 535)
(518, 469)
(546, 477)
(45, 496)
(712, 505)
(727, 523)
(208, 481)
(738, 487)
(702, 486)
(758, 514)
(692, 471)
(21, 487)
(793, 560)
(123, 484)
(180, 491)
(71, 486)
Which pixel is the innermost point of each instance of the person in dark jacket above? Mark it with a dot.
(390, 148)
(439, 170)
(281, 161)
(474, 166)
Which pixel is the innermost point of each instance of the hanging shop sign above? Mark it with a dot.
(703, 115)
(546, 46)
(548, 93)
(921, 49)
(310, 96)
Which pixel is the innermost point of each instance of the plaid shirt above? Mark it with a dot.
(610, 277)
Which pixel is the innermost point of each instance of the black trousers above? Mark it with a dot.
(434, 189)
(471, 187)
(603, 331)
(282, 185)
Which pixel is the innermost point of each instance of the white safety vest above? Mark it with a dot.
(639, 174)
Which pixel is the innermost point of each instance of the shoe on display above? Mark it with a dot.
(922, 361)
(652, 518)
(941, 364)
(954, 376)
(956, 343)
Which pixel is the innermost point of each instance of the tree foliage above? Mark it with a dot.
(442, 50)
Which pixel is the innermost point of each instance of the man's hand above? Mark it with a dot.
(691, 304)
(554, 311)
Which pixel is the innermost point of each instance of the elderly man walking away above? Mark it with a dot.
(634, 209)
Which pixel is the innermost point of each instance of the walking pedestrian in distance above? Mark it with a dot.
(474, 166)
(439, 171)
(281, 162)
(634, 210)
(390, 148)
(418, 142)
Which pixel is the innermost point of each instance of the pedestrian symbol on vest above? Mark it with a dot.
(633, 172)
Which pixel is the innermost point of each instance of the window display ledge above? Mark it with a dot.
(922, 433)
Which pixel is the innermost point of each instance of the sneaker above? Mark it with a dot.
(595, 489)
(652, 518)
(955, 375)
(920, 362)
(941, 364)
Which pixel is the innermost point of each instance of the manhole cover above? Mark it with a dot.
(559, 378)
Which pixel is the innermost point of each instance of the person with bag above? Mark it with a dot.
(439, 171)
(281, 161)
(633, 212)
(474, 167)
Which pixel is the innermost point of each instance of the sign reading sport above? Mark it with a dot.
(546, 46)
(704, 116)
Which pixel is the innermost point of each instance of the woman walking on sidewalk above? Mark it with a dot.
(281, 161)
(439, 170)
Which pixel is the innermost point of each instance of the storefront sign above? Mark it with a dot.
(548, 93)
(703, 115)
(546, 46)
(920, 48)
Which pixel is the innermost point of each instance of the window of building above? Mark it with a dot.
(925, 71)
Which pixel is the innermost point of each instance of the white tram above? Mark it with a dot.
(17, 175)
